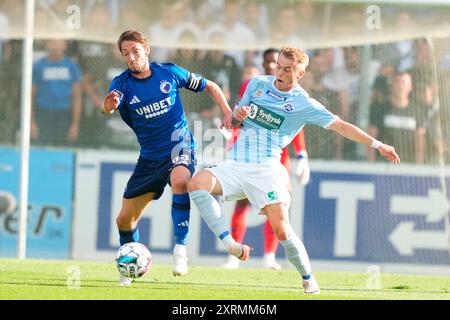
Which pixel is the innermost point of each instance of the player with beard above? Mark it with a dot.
(147, 97)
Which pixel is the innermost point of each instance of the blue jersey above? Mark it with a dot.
(275, 119)
(152, 108)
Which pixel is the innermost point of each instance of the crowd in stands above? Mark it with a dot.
(389, 89)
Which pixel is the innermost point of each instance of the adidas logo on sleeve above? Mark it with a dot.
(135, 100)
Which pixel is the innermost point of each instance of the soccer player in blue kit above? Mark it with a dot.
(147, 97)
(272, 111)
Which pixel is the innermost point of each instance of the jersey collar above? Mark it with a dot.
(297, 86)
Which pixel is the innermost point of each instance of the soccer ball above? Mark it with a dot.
(133, 260)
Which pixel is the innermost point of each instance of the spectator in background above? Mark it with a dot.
(236, 32)
(429, 139)
(444, 95)
(100, 62)
(397, 121)
(248, 73)
(99, 20)
(223, 70)
(10, 78)
(286, 27)
(51, 15)
(136, 18)
(346, 81)
(191, 59)
(309, 26)
(321, 63)
(56, 97)
(349, 20)
(382, 83)
(256, 19)
(204, 14)
(42, 21)
(405, 48)
(423, 96)
(324, 69)
(327, 145)
(9, 72)
(164, 33)
(422, 68)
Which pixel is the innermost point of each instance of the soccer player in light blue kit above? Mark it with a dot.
(147, 97)
(271, 112)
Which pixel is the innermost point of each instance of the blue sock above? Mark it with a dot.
(210, 211)
(181, 208)
(129, 236)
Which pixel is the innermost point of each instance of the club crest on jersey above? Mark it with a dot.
(165, 87)
(288, 107)
(118, 92)
(258, 93)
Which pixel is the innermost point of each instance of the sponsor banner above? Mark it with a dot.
(100, 181)
(354, 213)
(376, 213)
(50, 203)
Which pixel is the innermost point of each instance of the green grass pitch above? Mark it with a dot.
(53, 279)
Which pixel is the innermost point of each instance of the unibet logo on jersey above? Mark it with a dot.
(264, 117)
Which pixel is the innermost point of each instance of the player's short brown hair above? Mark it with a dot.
(296, 54)
(133, 35)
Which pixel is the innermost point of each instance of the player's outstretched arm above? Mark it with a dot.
(354, 133)
(218, 96)
(111, 102)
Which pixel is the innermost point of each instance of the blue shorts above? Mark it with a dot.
(154, 175)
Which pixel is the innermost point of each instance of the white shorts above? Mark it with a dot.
(261, 183)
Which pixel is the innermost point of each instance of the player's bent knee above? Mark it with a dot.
(124, 223)
(203, 180)
(179, 184)
(197, 183)
(193, 184)
(121, 222)
(282, 236)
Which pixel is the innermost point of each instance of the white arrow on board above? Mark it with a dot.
(405, 239)
(435, 206)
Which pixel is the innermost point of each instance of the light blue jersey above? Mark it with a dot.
(275, 119)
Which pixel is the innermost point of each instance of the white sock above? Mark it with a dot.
(297, 255)
(180, 249)
(211, 213)
(228, 241)
(269, 256)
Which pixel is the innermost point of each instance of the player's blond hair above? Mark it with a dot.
(296, 54)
